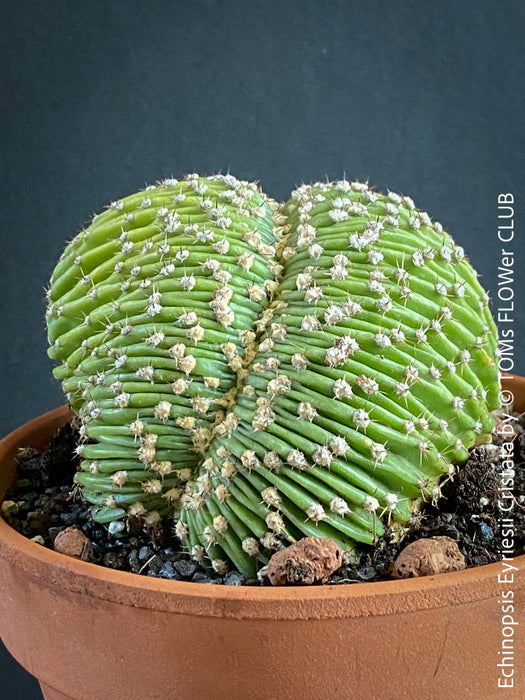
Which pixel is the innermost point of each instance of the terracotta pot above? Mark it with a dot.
(89, 632)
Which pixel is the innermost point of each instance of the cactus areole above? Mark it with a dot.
(261, 372)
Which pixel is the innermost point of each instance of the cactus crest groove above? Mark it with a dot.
(262, 372)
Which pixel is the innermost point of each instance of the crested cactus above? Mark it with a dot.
(266, 372)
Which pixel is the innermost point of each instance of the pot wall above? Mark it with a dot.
(96, 634)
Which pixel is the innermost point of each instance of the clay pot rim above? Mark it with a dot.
(50, 568)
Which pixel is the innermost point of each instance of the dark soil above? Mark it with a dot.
(44, 501)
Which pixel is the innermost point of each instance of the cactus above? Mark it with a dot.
(266, 372)
(150, 311)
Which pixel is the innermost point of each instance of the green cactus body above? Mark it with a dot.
(150, 311)
(331, 410)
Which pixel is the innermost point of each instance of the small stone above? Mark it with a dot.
(30, 498)
(134, 561)
(111, 559)
(256, 582)
(178, 556)
(168, 554)
(185, 568)
(308, 561)
(71, 517)
(44, 502)
(167, 571)
(480, 560)
(98, 533)
(450, 530)
(145, 553)
(62, 497)
(487, 533)
(38, 539)
(38, 521)
(23, 509)
(73, 543)
(20, 487)
(115, 527)
(234, 578)
(9, 509)
(427, 557)
(53, 531)
(200, 577)
(155, 564)
(366, 573)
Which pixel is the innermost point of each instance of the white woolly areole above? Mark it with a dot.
(316, 512)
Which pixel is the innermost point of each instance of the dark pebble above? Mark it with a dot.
(71, 517)
(111, 559)
(20, 487)
(168, 554)
(155, 564)
(365, 561)
(87, 529)
(167, 570)
(451, 531)
(185, 568)
(366, 573)
(61, 497)
(134, 561)
(179, 556)
(383, 568)
(347, 572)
(200, 577)
(44, 502)
(98, 532)
(145, 553)
(481, 560)
(53, 531)
(39, 522)
(487, 533)
(21, 512)
(234, 578)
(467, 542)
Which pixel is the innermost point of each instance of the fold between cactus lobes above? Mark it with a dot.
(266, 372)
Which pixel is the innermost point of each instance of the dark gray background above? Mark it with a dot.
(100, 98)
